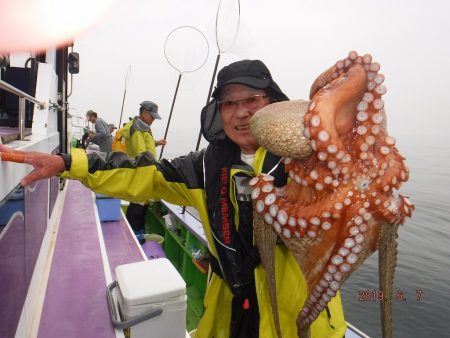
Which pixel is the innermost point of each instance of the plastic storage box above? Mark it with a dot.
(108, 208)
(149, 286)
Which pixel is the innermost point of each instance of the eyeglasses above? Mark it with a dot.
(251, 102)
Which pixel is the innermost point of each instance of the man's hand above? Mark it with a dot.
(161, 142)
(45, 165)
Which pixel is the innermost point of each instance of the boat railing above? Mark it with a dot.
(22, 98)
(356, 331)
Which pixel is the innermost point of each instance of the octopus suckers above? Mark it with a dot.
(385, 150)
(338, 197)
(323, 136)
(315, 121)
(362, 116)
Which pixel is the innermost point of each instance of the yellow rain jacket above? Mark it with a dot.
(138, 138)
(182, 181)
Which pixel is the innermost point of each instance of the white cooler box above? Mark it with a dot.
(151, 299)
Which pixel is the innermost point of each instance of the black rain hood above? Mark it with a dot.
(251, 73)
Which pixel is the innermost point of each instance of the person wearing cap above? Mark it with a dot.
(137, 133)
(237, 302)
(102, 136)
(138, 140)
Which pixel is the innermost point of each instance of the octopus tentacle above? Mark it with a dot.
(387, 257)
(341, 203)
(265, 237)
(355, 233)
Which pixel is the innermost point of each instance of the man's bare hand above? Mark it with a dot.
(161, 142)
(45, 165)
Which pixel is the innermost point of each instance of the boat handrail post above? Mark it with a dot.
(22, 97)
(21, 118)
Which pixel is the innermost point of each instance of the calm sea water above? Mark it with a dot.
(422, 276)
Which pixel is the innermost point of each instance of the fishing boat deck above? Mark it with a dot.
(86, 252)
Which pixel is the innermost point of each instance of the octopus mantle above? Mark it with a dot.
(340, 205)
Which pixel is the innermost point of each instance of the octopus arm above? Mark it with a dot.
(340, 204)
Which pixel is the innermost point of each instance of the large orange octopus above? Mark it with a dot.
(340, 205)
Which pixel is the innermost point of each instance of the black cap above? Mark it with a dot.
(251, 73)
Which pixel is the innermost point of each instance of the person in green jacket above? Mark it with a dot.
(139, 139)
(237, 300)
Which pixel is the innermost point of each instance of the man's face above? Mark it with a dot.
(91, 118)
(237, 104)
(147, 117)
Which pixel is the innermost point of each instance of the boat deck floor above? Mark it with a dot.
(84, 259)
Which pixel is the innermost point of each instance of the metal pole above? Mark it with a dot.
(207, 100)
(181, 71)
(6, 86)
(209, 95)
(215, 67)
(21, 118)
(123, 102)
(170, 115)
(124, 95)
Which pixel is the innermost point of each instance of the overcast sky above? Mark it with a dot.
(296, 39)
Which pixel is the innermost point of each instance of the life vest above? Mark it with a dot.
(138, 138)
